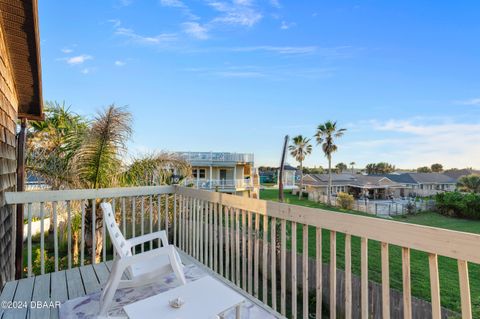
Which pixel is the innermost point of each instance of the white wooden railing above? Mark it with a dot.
(249, 242)
(217, 157)
(135, 206)
(222, 184)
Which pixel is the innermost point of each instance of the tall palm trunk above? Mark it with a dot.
(98, 231)
(75, 247)
(329, 190)
(301, 181)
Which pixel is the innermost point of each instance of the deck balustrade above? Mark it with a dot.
(260, 246)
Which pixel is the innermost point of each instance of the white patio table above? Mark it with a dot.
(205, 298)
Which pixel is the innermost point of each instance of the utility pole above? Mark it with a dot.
(280, 174)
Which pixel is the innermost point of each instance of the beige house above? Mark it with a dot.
(423, 184)
(226, 172)
(361, 186)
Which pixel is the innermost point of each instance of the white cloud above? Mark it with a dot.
(172, 3)
(239, 18)
(279, 49)
(286, 25)
(475, 101)
(116, 23)
(79, 59)
(195, 30)
(243, 2)
(124, 3)
(161, 38)
(66, 50)
(331, 53)
(86, 70)
(275, 3)
(414, 143)
(120, 63)
(237, 13)
(275, 73)
(240, 74)
(181, 5)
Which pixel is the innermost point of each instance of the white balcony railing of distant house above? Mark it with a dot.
(221, 184)
(263, 248)
(217, 157)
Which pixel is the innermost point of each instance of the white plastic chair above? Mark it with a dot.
(142, 268)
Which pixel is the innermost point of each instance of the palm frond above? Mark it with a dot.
(99, 159)
(155, 169)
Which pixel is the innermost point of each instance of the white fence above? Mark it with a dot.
(383, 207)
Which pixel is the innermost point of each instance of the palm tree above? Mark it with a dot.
(300, 148)
(352, 165)
(98, 164)
(69, 152)
(52, 144)
(326, 135)
(469, 183)
(341, 167)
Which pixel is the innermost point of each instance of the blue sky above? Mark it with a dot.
(201, 75)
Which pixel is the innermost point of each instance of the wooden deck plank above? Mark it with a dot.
(102, 273)
(8, 292)
(90, 281)
(109, 265)
(23, 293)
(58, 285)
(74, 283)
(41, 292)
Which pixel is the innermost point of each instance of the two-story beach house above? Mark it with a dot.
(232, 173)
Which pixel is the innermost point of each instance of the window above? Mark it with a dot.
(198, 172)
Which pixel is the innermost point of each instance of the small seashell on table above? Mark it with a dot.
(176, 302)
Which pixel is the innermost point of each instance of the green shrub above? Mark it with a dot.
(345, 200)
(458, 204)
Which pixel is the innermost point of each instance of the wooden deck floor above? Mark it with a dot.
(76, 282)
(57, 286)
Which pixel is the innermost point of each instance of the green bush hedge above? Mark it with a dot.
(465, 205)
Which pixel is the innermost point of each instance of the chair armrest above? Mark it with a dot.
(162, 235)
(127, 261)
(120, 265)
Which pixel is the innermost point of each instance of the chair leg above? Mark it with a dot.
(177, 267)
(110, 288)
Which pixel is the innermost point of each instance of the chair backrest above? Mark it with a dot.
(122, 247)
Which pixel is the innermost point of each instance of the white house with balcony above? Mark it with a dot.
(226, 172)
(291, 176)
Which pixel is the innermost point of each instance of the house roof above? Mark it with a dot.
(357, 180)
(403, 178)
(421, 178)
(373, 181)
(19, 22)
(342, 177)
(438, 178)
(457, 173)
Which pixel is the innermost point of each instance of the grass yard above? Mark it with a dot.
(420, 280)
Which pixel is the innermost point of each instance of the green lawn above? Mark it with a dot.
(420, 281)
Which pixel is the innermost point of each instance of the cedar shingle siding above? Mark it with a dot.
(8, 116)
